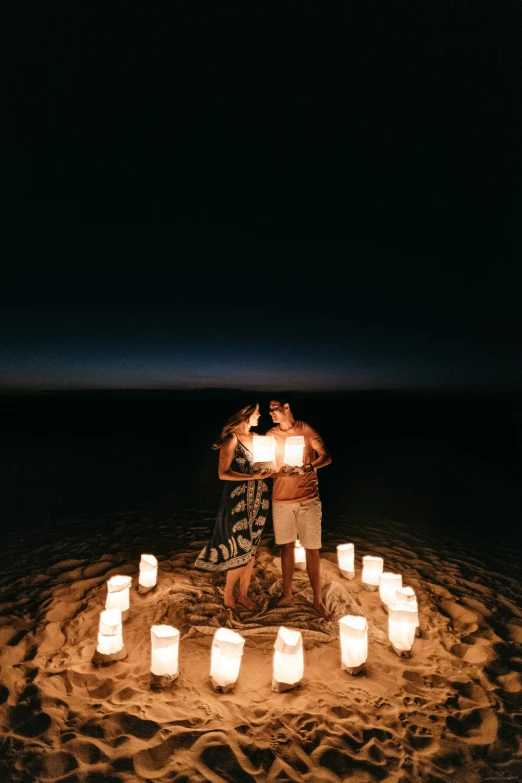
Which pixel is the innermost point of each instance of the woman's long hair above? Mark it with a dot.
(234, 421)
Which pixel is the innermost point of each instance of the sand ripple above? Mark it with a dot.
(450, 712)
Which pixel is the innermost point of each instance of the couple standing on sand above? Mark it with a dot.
(296, 507)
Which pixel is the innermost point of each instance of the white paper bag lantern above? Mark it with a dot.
(299, 556)
(264, 452)
(110, 638)
(148, 573)
(118, 590)
(353, 632)
(388, 585)
(294, 451)
(164, 658)
(288, 660)
(227, 649)
(345, 559)
(402, 622)
(407, 595)
(372, 569)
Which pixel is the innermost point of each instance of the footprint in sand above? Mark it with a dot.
(470, 694)
(471, 653)
(341, 712)
(419, 737)
(57, 765)
(462, 619)
(124, 723)
(85, 751)
(27, 721)
(478, 726)
(92, 728)
(407, 763)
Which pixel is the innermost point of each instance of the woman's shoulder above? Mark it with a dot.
(230, 440)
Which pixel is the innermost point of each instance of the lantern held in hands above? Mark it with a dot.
(148, 573)
(164, 658)
(388, 586)
(264, 452)
(372, 569)
(288, 660)
(299, 556)
(118, 589)
(227, 649)
(407, 595)
(110, 638)
(345, 559)
(294, 451)
(402, 623)
(353, 631)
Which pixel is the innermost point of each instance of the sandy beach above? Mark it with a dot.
(450, 712)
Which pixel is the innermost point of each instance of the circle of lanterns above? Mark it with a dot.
(400, 602)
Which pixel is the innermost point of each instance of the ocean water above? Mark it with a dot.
(440, 463)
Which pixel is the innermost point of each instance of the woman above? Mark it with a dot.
(243, 509)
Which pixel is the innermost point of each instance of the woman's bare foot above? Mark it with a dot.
(285, 600)
(247, 602)
(323, 611)
(229, 602)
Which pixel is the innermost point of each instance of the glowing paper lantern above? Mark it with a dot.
(388, 586)
(372, 569)
(110, 638)
(148, 573)
(402, 622)
(118, 589)
(288, 660)
(227, 649)
(264, 452)
(354, 643)
(294, 451)
(300, 556)
(407, 595)
(164, 659)
(345, 559)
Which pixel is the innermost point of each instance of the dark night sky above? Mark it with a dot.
(261, 194)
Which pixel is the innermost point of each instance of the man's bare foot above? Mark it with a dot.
(323, 611)
(247, 602)
(285, 600)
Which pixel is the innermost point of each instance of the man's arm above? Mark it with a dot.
(323, 457)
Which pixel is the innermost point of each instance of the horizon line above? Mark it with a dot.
(462, 389)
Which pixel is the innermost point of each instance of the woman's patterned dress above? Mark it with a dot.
(240, 520)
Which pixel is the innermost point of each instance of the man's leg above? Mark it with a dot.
(309, 530)
(287, 567)
(285, 531)
(313, 567)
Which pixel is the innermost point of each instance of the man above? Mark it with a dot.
(296, 506)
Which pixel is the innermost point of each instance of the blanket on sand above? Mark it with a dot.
(198, 609)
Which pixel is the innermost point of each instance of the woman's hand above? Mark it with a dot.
(262, 474)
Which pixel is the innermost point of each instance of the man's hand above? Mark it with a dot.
(294, 470)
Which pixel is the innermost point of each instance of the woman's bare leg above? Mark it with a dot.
(243, 575)
(232, 577)
(244, 583)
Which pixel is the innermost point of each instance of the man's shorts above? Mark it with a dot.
(298, 520)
